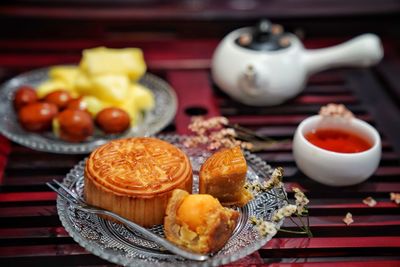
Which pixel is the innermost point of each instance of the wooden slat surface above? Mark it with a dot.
(31, 233)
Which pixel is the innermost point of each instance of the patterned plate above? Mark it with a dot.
(117, 244)
(152, 122)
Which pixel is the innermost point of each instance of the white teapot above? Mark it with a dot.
(263, 66)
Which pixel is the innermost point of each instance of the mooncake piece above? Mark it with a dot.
(223, 175)
(198, 222)
(135, 177)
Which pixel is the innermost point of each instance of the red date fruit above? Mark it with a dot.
(25, 95)
(77, 103)
(113, 120)
(60, 98)
(37, 117)
(75, 125)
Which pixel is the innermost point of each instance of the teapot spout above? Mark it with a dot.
(362, 51)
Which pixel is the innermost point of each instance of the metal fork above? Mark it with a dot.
(77, 202)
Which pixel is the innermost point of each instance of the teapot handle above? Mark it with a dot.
(362, 51)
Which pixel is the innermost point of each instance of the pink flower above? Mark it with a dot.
(335, 110)
(348, 219)
(369, 201)
(395, 197)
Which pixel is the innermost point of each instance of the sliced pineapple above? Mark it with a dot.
(144, 98)
(129, 105)
(110, 88)
(126, 61)
(53, 85)
(83, 84)
(94, 105)
(68, 74)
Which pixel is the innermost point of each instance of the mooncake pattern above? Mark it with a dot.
(134, 177)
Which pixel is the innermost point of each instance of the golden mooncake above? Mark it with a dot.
(223, 175)
(135, 177)
(198, 222)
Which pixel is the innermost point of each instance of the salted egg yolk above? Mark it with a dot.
(195, 208)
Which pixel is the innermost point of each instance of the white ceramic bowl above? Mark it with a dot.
(333, 168)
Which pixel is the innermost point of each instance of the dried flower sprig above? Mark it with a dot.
(395, 197)
(348, 219)
(213, 133)
(301, 200)
(299, 209)
(336, 110)
(217, 132)
(370, 202)
(264, 228)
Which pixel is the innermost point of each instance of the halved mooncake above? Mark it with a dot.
(135, 177)
(198, 222)
(223, 175)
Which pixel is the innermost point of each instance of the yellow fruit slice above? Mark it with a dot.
(144, 98)
(102, 60)
(94, 105)
(129, 105)
(67, 74)
(53, 85)
(82, 84)
(110, 88)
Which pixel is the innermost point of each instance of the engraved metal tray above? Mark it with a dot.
(118, 244)
(151, 123)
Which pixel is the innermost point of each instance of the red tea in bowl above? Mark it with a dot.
(338, 140)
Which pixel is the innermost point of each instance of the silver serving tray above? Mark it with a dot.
(152, 121)
(115, 243)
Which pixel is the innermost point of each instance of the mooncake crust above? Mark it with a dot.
(140, 166)
(135, 177)
(223, 175)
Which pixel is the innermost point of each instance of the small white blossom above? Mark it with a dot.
(395, 197)
(285, 211)
(247, 145)
(264, 228)
(267, 228)
(348, 219)
(253, 220)
(214, 146)
(277, 174)
(289, 210)
(269, 184)
(228, 132)
(369, 201)
(301, 200)
(335, 110)
(277, 216)
(275, 180)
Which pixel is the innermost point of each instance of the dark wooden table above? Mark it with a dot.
(31, 233)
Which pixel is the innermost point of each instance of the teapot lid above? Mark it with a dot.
(264, 37)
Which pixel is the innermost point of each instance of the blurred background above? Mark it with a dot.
(182, 35)
(65, 27)
(137, 19)
(178, 39)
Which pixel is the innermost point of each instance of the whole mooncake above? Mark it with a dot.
(135, 177)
